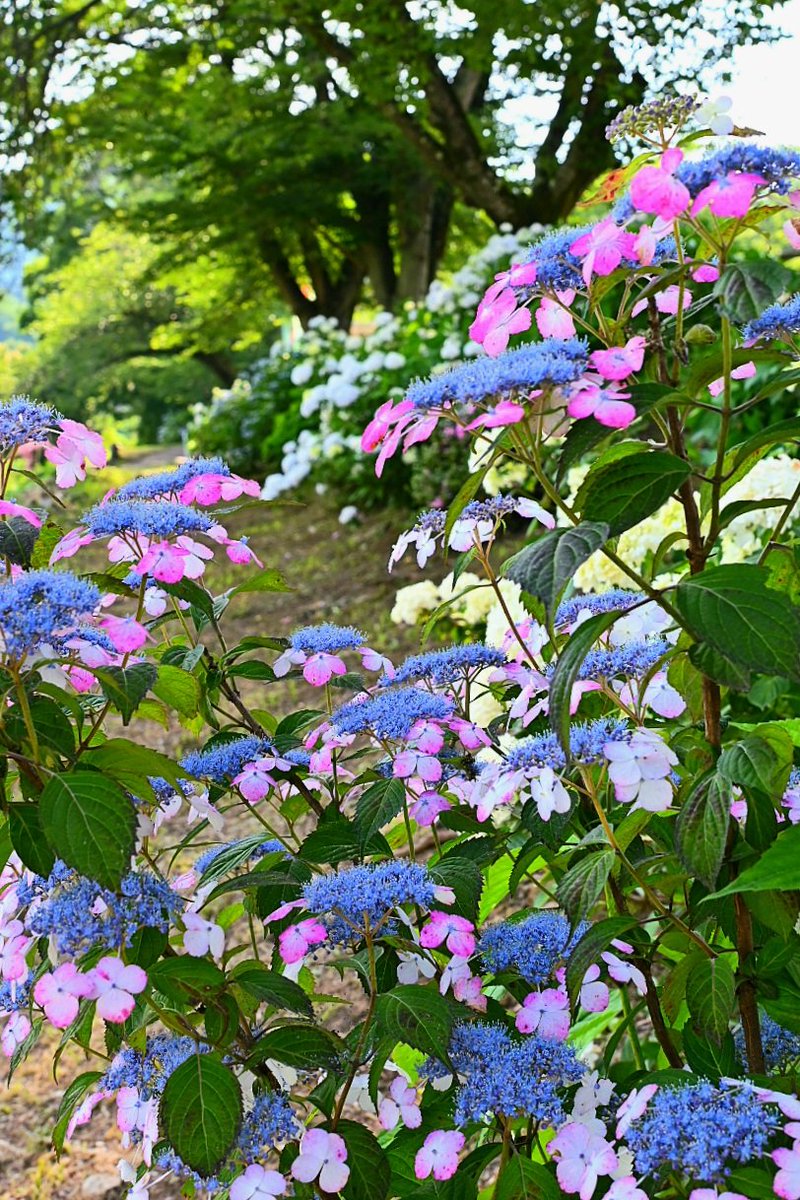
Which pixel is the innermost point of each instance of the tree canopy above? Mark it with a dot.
(325, 149)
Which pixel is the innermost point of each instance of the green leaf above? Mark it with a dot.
(54, 732)
(126, 687)
(523, 1179)
(132, 765)
(588, 949)
(755, 1182)
(90, 823)
(49, 536)
(711, 995)
(418, 1016)
(301, 1045)
(182, 977)
(583, 884)
(464, 877)
(201, 1111)
(707, 1057)
(701, 828)
(778, 868)
(379, 804)
(72, 1097)
(713, 663)
(546, 566)
(17, 540)
(336, 841)
(370, 1173)
(271, 988)
(624, 492)
(178, 689)
(28, 840)
(266, 580)
(583, 436)
(731, 609)
(746, 288)
(763, 760)
(568, 666)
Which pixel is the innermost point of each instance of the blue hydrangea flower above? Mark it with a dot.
(221, 762)
(64, 905)
(615, 599)
(777, 321)
(391, 714)
(778, 167)
(164, 483)
(153, 518)
(533, 947)
(550, 363)
(150, 1069)
(326, 639)
(40, 604)
(14, 996)
(347, 898)
(509, 1078)
(557, 268)
(586, 745)
(22, 420)
(781, 1046)
(633, 659)
(446, 666)
(270, 1121)
(701, 1131)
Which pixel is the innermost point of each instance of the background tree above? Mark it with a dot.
(329, 147)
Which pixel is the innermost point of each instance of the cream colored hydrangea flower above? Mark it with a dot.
(414, 601)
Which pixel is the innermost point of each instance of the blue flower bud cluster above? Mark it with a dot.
(533, 947)
(633, 659)
(221, 762)
(165, 483)
(392, 713)
(778, 167)
(349, 898)
(701, 1131)
(446, 666)
(557, 268)
(774, 322)
(269, 1122)
(510, 1078)
(586, 745)
(615, 599)
(81, 914)
(152, 518)
(326, 639)
(22, 420)
(37, 605)
(781, 1046)
(149, 1070)
(539, 364)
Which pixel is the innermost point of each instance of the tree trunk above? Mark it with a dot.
(423, 218)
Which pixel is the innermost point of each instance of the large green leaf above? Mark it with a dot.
(418, 1016)
(762, 760)
(778, 868)
(583, 884)
(25, 827)
(379, 804)
(465, 878)
(200, 1112)
(301, 1045)
(731, 609)
(177, 689)
(711, 995)
(268, 579)
(625, 491)
(523, 1179)
(746, 288)
(269, 987)
(132, 765)
(126, 687)
(702, 827)
(370, 1173)
(546, 566)
(90, 823)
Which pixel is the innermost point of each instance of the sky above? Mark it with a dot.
(765, 82)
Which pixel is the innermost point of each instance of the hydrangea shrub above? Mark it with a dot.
(502, 920)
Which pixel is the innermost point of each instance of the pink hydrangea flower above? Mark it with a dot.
(254, 781)
(9, 509)
(210, 489)
(427, 807)
(15, 1030)
(496, 319)
(632, 1107)
(258, 1183)
(505, 412)
(626, 1188)
(786, 1183)
(619, 362)
(75, 446)
(59, 993)
(438, 1154)
(411, 762)
(545, 1013)
(552, 318)
(624, 972)
(125, 633)
(729, 197)
(202, 936)
(666, 301)
(402, 1104)
(705, 273)
(640, 769)
(608, 406)
(295, 942)
(745, 371)
(603, 249)
(164, 562)
(115, 985)
(14, 946)
(656, 190)
(241, 553)
(320, 668)
(594, 993)
(712, 1194)
(322, 1155)
(583, 1157)
(457, 933)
